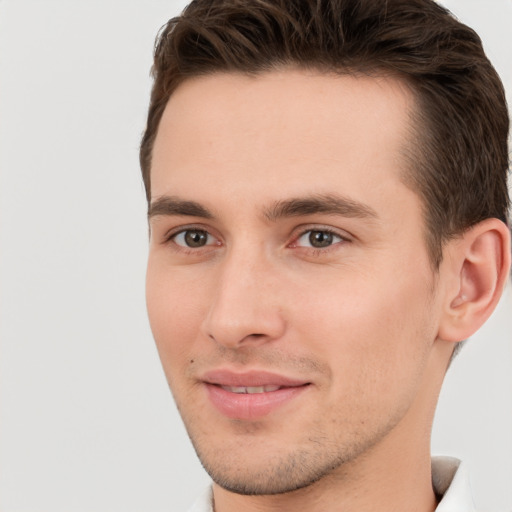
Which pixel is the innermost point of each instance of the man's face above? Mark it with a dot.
(289, 287)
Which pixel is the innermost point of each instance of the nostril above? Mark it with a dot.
(237, 341)
(255, 335)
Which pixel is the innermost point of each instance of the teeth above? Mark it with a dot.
(255, 389)
(237, 389)
(250, 389)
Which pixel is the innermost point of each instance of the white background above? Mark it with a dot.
(87, 422)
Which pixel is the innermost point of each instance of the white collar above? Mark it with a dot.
(449, 478)
(204, 502)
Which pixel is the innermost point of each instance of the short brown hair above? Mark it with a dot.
(459, 157)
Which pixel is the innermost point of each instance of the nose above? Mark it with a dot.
(245, 309)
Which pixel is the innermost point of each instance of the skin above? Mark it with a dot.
(359, 319)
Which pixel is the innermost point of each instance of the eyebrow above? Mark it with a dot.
(319, 203)
(170, 205)
(296, 207)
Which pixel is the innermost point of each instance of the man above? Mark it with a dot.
(328, 204)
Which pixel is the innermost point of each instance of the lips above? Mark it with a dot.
(250, 395)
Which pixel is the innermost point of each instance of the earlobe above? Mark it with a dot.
(479, 267)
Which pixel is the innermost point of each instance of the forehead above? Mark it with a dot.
(282, 132)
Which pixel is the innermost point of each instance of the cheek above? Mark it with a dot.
(175, 309)
(373, 333)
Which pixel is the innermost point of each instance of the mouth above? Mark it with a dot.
(251, 395)
(249, 390)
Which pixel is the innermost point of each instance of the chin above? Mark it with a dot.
(285, 478)
(239, 472)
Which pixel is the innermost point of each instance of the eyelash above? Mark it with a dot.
(170, 238)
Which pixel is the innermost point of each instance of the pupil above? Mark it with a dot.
(195, 238)
(320, 239)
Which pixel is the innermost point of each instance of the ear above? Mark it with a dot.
(476, 269)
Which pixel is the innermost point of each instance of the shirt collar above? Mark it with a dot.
(450, 480)
(204, 502)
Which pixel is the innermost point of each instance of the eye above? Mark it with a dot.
(193, 238)
(318, 238)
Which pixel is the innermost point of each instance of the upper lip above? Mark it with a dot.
(253, 378)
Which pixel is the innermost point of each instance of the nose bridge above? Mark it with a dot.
(244, 307)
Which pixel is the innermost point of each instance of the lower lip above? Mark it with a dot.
(251, 406)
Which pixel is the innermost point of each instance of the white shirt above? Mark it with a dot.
(449, 478)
